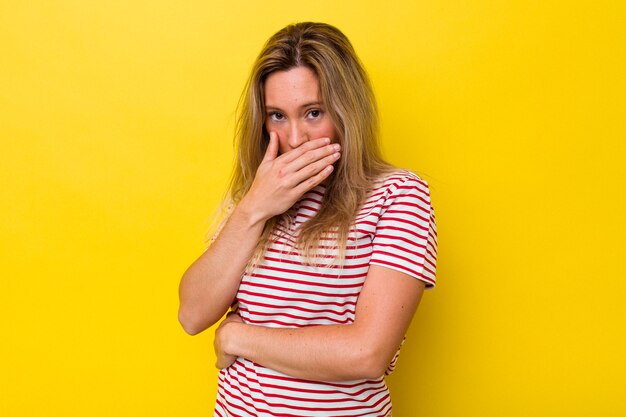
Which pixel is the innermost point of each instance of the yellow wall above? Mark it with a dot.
(116, 120)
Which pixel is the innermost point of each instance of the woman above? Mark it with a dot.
(327, 249)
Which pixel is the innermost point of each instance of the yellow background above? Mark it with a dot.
(116, 124)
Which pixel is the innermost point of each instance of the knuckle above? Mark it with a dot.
(294, 194)
(283, 183)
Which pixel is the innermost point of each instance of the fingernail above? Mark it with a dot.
(337, 147)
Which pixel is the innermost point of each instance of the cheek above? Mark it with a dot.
(328, 130)
(323, 129)
(283, 147)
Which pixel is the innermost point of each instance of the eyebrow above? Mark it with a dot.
(309, 104)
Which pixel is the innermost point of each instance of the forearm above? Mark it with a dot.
(361, 350)
(210, 284)
(323, 353)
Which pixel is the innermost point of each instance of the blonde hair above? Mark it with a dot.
(347, 94)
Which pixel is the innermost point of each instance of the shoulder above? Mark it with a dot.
(401, 182)
(405, 236)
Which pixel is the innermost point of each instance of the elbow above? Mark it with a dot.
(375, 370)
(196, 319)
(371, 364)
(190, 324)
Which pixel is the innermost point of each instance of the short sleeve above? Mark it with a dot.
(406, 233)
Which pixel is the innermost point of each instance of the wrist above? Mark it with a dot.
(228, 336)
(249, 213)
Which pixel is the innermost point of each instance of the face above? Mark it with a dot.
(294, 108)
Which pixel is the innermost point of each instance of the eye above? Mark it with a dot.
(315, 114)
(276, 116)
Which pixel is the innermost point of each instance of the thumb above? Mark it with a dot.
(272, 147)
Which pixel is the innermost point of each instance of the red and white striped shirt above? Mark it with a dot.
(395, 228)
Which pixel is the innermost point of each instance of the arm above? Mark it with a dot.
(361, 350)
(210, 284)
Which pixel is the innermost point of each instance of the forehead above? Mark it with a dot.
(291, 88)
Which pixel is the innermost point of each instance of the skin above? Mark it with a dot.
(209, 285)
(296, 119)
(360, 350)
(294, 109)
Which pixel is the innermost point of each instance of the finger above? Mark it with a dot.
(312, 144)
(315, 168)
(313, 181)
(313, 156)
(272, 147)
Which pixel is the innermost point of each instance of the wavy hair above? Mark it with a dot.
(347, 94)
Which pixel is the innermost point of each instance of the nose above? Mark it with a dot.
(297, 135)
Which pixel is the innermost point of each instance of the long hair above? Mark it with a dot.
(347, 94)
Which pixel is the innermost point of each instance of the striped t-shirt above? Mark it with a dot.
(395, 228)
